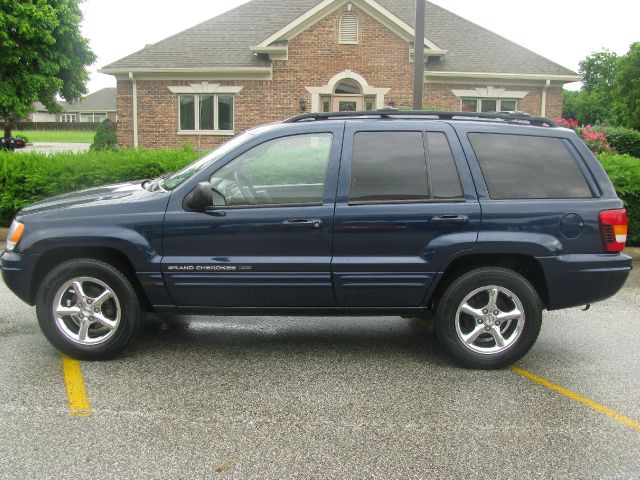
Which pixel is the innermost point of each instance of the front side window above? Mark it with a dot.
(206, 112)
(523, 166)
(288, 170)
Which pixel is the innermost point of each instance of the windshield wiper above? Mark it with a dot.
(155, 184)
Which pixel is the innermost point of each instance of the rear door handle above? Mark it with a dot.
(450, 220)
(303, 222)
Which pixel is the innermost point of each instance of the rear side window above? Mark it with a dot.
(520, 166)
(445, 182)
(388, 166)
(403, 167)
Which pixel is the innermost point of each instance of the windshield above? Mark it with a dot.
(187, 172)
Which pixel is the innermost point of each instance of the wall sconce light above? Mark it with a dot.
(303, 106)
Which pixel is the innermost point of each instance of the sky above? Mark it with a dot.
(565, 31)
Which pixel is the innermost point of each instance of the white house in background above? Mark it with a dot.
(95, 107)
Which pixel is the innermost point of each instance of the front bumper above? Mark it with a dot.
(575, 280)
(17, 273)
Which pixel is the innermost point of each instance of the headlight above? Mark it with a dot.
(14, 235)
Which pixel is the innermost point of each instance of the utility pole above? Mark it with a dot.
(418, 56)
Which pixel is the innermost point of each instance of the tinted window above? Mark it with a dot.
(388, 166)
(289, 170)
(519, 166)
(445, 182)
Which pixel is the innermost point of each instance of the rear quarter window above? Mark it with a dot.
(522, 166)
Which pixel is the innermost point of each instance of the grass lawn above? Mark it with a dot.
(61, 136)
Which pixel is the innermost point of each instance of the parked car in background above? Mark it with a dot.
(479, 221)
(12, 144)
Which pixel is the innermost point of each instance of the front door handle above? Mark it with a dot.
(303, 222)
(450, 220)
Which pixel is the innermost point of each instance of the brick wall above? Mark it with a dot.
(315, 56)
(439, 96)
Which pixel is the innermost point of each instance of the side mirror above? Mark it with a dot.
(202, 197)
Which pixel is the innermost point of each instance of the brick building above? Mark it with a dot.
(271, 59)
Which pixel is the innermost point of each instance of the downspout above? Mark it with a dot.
(135, 110)
(543, 108)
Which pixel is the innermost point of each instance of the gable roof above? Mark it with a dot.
(226, 41)
(101, 101)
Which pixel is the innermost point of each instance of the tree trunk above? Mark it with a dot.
(8, 130)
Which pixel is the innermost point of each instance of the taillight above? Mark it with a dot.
(613, 228)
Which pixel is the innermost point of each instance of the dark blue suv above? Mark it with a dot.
(478, 221)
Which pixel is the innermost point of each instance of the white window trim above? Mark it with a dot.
(196, 113)
(328, 89)
(93, 116)
(491, 92)
(341, 41)
(68, 118)
(497, 100)
(206, 87)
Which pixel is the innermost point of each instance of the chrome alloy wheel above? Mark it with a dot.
(86, 310)
(489, 319)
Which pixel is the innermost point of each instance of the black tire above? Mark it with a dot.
(124, 300)
(524, 331)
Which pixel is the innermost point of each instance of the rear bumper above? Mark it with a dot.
(17, 270)
(575, 280)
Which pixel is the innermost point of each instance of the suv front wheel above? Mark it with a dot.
(489, 318)
(88, 309)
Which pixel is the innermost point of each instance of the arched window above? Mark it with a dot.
(348, 87)
(348, 29)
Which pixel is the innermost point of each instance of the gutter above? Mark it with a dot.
(543, 107)
(135, 109)
(504, 76)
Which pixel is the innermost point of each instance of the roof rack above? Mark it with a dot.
(511, 117)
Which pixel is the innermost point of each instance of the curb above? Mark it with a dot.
(633, 252)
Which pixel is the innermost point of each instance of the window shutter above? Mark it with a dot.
(349, 28)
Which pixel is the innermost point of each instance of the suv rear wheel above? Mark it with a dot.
(489, 318)
(88, 309)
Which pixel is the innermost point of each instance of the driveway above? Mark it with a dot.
(283, 397)
(52, 147)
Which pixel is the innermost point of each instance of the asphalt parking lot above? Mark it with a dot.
(265, 398)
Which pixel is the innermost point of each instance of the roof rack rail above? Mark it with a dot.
(512, 117)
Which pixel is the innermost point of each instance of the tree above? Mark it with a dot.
(43, 55)
(106, 137)
(627, 89)
(593, 104)
(598, 71)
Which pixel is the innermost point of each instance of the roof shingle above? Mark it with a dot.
(225, 41)
(101, 101)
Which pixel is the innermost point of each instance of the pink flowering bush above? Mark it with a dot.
(593, 138)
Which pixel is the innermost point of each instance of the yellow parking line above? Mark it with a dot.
(576, 397)
(76, 392)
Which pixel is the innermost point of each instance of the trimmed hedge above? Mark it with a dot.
(26, 178)
(623, 140)
(624, 172)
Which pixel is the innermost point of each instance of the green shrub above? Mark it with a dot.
(624, 172)
(26, 178)
(623, 140)
(106, 137)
